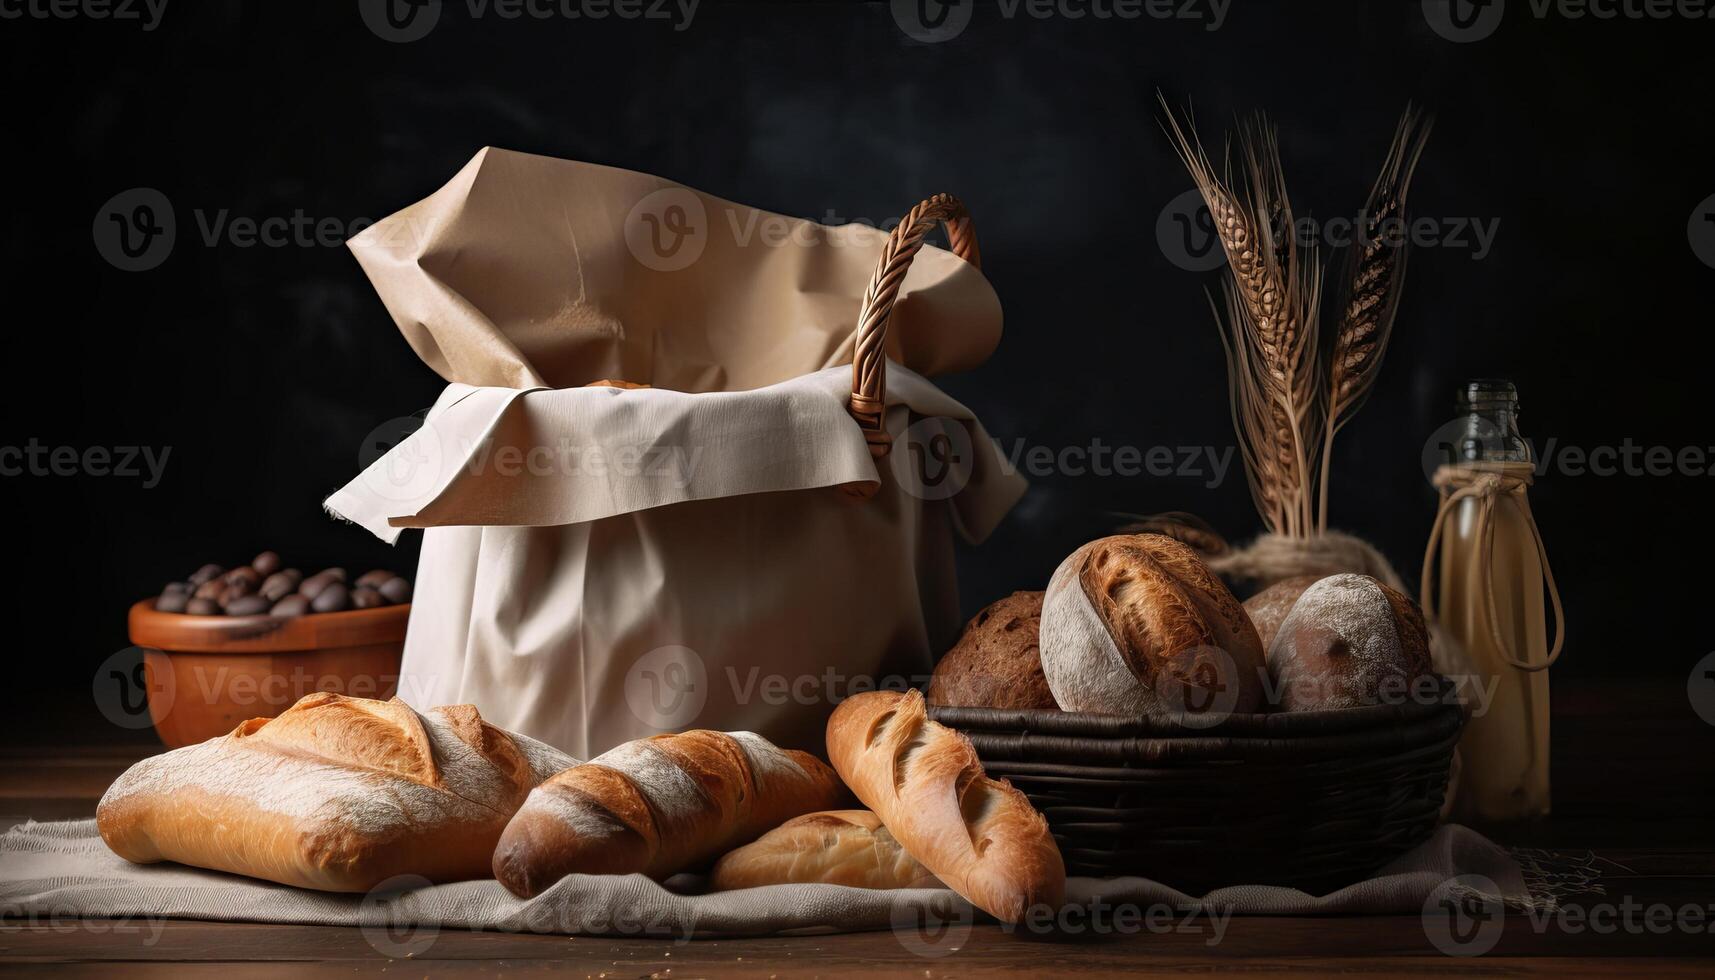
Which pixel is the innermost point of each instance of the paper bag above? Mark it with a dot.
(604, 563)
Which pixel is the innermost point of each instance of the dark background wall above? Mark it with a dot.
(263, 368)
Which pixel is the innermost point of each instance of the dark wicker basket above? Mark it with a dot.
(1314, 800)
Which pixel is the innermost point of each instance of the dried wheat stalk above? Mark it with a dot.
(1375, 279)
(1273, 294)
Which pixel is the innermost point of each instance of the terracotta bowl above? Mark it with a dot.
(206, 674)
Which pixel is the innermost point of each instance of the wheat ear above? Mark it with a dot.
(1269, 339)
(1374, 281)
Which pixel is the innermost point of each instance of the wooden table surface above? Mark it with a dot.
(1634, 774)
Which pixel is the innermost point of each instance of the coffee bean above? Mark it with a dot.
(202, 607)
(235, 591)
(172, 602)
(250, 605)
(267, 563)
(280, 584)
(333, 598)
(396, 590)
(210, 589)
(336, 573)
(366, 598)
(373, 580)
(311, 587)
(205, 573)
(182, 588)
(290, 607)
(244, 573)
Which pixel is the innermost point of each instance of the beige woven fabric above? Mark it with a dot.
(63, 869)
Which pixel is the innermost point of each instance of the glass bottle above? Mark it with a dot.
(1493, 569)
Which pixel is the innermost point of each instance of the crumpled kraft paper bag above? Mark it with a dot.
(603, 564)
(527, 271)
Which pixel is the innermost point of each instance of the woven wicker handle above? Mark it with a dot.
(869, 362)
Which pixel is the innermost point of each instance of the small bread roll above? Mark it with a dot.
(834, 847)
(996, 663)
(1137, 623)
(1348, 640)
(1268, 607)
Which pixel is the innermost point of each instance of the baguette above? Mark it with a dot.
(834, 847)
(979, 836)
(658, 806)
(337, 794)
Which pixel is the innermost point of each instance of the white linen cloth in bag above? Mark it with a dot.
(601, 564)
(677, 560)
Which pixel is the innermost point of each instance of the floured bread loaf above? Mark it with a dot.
(1269, 607)
(1136, 623)
(337, 794)
(1349, 640)
(996, 663)
(659, 806)
(834, 847)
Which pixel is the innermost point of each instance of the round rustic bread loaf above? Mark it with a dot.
(1268, 607)
(1137, 623)
(1349, 640)
(995, 664)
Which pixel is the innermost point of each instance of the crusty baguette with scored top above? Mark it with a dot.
(980, 836)
(833, 847)
(337, 794)
(659, 806)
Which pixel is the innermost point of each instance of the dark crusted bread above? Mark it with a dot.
(996, 663)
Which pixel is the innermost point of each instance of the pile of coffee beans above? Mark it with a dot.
(265, 586)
